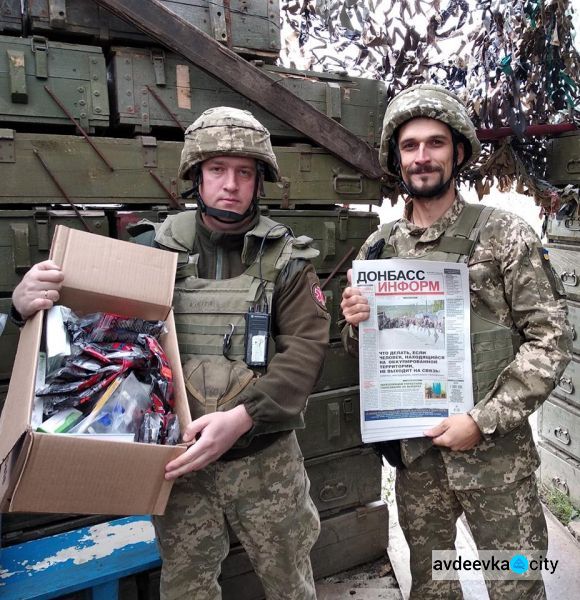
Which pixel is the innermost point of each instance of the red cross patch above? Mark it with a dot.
(318, 295)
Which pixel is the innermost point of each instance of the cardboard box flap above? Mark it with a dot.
(16, 412)
(103, 274)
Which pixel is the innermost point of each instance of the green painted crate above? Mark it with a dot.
(566, 262)
(559, 425)
(337, 233)
(75, 75)
(563, 159)
(247, 26)
(10, 17)
(145, 173)
(340, 369)
(143, 77)
(568, 386)
(344, 479)
(25, 237)
(332, 422)
(333, 294)
(560, 472)
(8, 343)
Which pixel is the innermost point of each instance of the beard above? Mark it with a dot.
(431, 191)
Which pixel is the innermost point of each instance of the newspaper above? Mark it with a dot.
(414, 350)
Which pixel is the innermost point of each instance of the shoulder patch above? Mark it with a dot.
(553, 278)
(318, 295)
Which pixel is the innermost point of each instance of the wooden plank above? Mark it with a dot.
(84, 558)
(187, 40)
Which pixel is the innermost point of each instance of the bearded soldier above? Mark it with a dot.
(253, 331)
(482, 463)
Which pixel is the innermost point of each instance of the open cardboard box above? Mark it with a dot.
(54, 473)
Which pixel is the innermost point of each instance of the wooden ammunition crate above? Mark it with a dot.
(74, 74)
(561, 472)
(340, 369)
(246, 26)
(25, 237)
(145, 173)
(8, 342)
(332, 422)
(559, 424)
(563, 159)
(344, 479)
(566, 262)
(154, 89)
(568, 386)
(10, 17)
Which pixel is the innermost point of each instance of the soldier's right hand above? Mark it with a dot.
(39, 289)
(354, 306)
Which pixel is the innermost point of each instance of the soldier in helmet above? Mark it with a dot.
(253, 330)
(482, 463)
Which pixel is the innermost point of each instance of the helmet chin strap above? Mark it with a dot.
(225, 216)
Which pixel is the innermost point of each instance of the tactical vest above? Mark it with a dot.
(493, 345)
(210, 314)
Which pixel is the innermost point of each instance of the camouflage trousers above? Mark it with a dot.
(508, 517)
(265, 500)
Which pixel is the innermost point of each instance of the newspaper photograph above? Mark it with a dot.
(414, 350)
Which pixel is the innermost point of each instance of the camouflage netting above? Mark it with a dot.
(513, 63)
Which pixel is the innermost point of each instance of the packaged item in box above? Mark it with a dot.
(115, 373)
(61, 422)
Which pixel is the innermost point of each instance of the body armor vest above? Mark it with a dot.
(210, 314)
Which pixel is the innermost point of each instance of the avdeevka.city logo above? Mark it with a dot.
(519, 564)
(491, 564)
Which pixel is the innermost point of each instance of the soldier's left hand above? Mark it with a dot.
(458, 432)
(212, 435)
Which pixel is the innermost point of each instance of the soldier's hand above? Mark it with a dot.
(458, 432)
(354, 306)
(39, 289)
(211, 436)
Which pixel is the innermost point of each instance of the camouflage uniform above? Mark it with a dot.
(512, 284)
(264, 498)
(259, 488)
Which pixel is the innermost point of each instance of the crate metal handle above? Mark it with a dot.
(340, 177)
(20, 247)
(333, 491)
(566, 385)
(569, 279)
(17, 75)
(39, 47)
(560, 484)
(568, 224)
(562, 435)
(332, 417)
(574, 334)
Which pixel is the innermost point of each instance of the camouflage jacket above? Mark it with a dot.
(512, 283)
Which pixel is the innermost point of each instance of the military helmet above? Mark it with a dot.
(227, 131)
(428, 101)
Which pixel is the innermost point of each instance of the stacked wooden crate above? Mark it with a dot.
(69, 64)
(559, 422)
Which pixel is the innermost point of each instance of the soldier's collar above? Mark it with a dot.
(436, 230)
